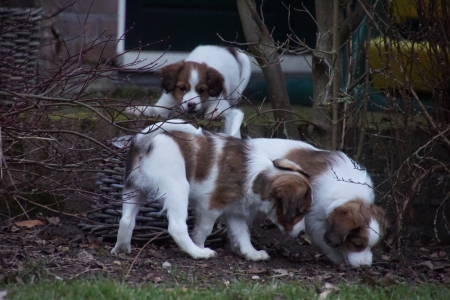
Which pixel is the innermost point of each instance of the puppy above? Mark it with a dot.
(221, 176)
(209, 81)
(343, 220)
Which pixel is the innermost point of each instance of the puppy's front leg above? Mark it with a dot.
(163, 108)
(239, 234)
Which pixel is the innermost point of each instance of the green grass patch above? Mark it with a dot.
(108, 289)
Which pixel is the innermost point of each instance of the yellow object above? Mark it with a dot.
(402, 62)
(398, 62)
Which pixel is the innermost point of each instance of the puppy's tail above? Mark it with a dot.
(246, 71)
(144, 139)
(233, 121)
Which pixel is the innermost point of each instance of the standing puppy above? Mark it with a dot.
(343, 220)
(210, 81)
(221, 176)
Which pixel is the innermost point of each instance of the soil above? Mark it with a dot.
(64, 252)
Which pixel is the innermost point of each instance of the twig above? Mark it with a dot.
(143, 247)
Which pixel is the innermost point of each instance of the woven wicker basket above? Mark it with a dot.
(19, 45)
(106, 212)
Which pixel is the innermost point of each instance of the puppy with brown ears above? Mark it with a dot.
(343, 221)
(210, 80)
(221, 176)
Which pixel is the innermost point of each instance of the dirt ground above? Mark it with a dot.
(63, 251)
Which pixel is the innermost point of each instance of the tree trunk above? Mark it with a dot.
(333, 31)
(262, 47)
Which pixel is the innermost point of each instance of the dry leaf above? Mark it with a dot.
(369, 281)
(385, 257)
(157, 279)
(116, 262)
(306, 238)
(255, 271)
(280, 272)
(427, 264)
(423, 249)
(30, 223)
(255, 277)
(85, 257)
(184, 289)
(327, 290)
(202, 265)
(442, 253)
(434, 255)
(53, 220)
(388, 280)
(3, 294)
(157, 254)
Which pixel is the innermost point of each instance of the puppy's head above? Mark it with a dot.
(354, 228)
(290, 192)
(192, 84)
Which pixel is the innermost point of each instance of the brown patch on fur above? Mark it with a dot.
(347, 226)
(198, 153)
(204, 157)
(292, 195)
(175, 80)
(130, 161)
(313, 162)
(231, 174)
(380, 215)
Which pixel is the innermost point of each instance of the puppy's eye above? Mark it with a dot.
(357, 244)
(201, 91)
(182, 88)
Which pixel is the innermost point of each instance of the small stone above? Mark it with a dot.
(255, 277)
(166, 265)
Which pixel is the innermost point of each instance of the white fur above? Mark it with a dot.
(235, 70)
(162, 173)
(343, 182)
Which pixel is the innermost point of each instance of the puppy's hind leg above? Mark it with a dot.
(239, 234)
(132, 200)
(176, 202)
(204, 224)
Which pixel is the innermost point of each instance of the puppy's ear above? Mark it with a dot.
(293, 194)
(169, 75)
(286, 164)
(379, 214)
(214, 81)
(336, 232)
(344, 220)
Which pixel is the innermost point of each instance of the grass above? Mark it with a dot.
(108, 289)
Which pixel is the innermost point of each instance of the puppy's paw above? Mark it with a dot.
(138, 110)
(119, 248)
(257, 255)
(204, 253)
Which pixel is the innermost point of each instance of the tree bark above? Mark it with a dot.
(262, 47)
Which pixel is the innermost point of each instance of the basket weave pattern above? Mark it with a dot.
(107, 209)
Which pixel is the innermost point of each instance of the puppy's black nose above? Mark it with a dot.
(191, 105)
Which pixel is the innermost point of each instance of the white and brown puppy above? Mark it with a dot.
(343, 220)
(209, 81)
(221, 176)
